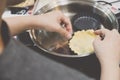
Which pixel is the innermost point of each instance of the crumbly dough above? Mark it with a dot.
(81, 42)
(25, 3)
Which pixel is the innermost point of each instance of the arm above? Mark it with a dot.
(1, 45)
(50, 21)
(110, 71)
(108, 53)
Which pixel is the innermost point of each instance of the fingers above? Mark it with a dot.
(68, 25)
(64, 33)
(67, 30)
(115, 31)
(102, 32)
(106, 34)
(98, 39)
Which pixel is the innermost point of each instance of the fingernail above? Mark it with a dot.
(69, 36)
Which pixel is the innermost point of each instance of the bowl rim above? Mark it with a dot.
(41, 11)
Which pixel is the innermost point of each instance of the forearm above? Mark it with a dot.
(110, 71)
(18, 24)
(50, 22)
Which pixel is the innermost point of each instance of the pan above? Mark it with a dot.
(84, 15)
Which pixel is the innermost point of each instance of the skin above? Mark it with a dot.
(22, 23)
(108, 53)
(39, 22)
(2, 5)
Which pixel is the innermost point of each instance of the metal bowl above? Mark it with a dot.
(83, 15)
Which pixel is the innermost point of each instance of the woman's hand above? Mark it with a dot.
(108, 48)
(52, 22)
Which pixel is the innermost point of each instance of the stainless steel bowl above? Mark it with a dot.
(77, 11)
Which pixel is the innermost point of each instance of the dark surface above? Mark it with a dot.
(18, 62)
(118, 17)
(21, 63)
(88, 65)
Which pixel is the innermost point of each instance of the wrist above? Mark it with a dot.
(28, 22)
(34, 21)
(114, 60)
(109, 63)
(110, 71)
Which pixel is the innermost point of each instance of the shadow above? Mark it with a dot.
(88, 65)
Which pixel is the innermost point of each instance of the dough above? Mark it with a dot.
(82, 42)
(25, 3)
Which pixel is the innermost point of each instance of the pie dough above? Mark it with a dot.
(25, 3)
(81, 42)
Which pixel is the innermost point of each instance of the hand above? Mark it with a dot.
(108, 49)
(52, 22)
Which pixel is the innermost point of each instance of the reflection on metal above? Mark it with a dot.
(54, 43)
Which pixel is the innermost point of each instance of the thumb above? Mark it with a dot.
(97, 40)
(65, 33)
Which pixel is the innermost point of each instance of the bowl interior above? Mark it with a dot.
(83, 15)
